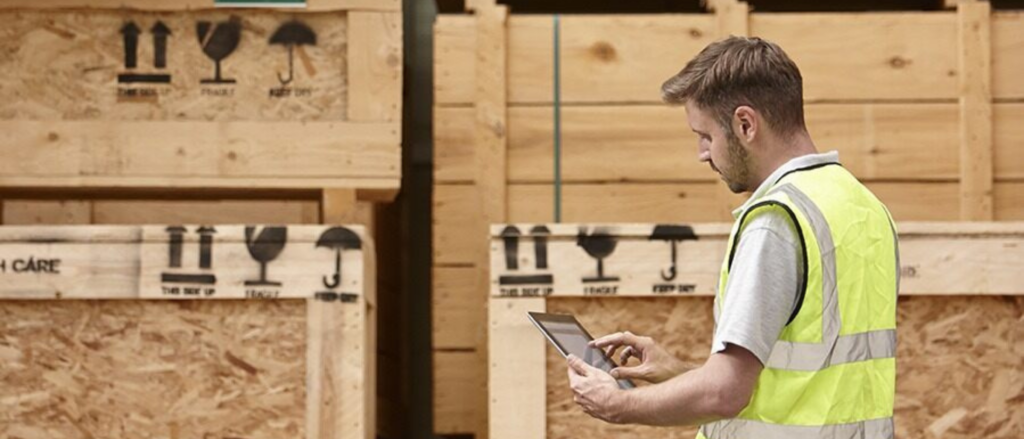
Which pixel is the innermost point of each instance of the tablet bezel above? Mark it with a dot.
(539, 319)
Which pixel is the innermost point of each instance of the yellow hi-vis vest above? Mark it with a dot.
(832, 373)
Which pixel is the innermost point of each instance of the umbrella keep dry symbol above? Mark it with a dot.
(293, 35)
(338, 239)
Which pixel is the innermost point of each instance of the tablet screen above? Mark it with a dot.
(569, 337)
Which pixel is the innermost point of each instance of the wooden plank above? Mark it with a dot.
(618, 143)
(375, 66)
(490, 100)
(454, 60)
(66, 65)
(180, 5)
(1008, 135)
(459, 228)
(604, 58)
(732, 18)
(460, 393)
(617, 203)
(975, 90)
(517, 380)
(895, 55)
(198, 153)
(128, 212)
(625, 58)
(616, 260)
(33, 212)
(458, 308)
(919, 201)
(97, 262)
(352, 410)
(1007, 41)
(1009, 201)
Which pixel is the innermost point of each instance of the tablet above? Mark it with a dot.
(569, 337)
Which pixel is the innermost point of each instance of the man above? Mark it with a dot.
(805, 308)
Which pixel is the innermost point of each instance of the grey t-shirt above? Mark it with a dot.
(762, 291)
(765, 275)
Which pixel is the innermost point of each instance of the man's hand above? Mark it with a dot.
(656, 364)
(596, 392)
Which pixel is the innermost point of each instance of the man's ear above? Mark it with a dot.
(745, 123)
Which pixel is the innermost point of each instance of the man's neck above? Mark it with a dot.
(781, 153)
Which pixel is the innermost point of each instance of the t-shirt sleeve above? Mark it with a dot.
(763, 285)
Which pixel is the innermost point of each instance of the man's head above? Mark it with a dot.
(744, 99)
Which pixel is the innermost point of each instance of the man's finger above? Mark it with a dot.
(635, 372)
(617, 339)
(624, 356)
(577, 365)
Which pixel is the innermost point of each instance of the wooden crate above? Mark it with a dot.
(921, 107)
(952, 273)
(91, 348)
(118, 96)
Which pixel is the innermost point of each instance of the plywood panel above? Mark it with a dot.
(93, 368)
(64, 65)
(460, 392)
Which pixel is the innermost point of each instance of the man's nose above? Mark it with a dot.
(704, 155)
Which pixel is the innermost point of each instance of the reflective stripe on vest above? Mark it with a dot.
(869, 355)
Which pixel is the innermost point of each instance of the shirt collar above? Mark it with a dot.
(795, 163)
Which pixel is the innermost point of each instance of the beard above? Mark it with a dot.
(738, 178)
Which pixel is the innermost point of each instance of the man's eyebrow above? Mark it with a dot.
(698, 132)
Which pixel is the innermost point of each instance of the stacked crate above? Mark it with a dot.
(135, 112)
(920, 106)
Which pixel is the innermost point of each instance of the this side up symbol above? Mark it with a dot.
(674, 234)
(510, 236)
(174, 247)
(130, 33)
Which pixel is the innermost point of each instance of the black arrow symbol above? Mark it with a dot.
(131, 44)
(160, 33)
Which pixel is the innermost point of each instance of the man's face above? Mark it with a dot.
(720, 149)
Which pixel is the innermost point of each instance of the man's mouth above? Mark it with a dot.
(713, 167)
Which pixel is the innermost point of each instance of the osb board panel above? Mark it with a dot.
(64, 65)
(682, 326)
(460, 392)
(140, 369)
(654, 142)
(972, 346)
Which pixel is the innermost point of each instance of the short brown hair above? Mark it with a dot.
(742, 71)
